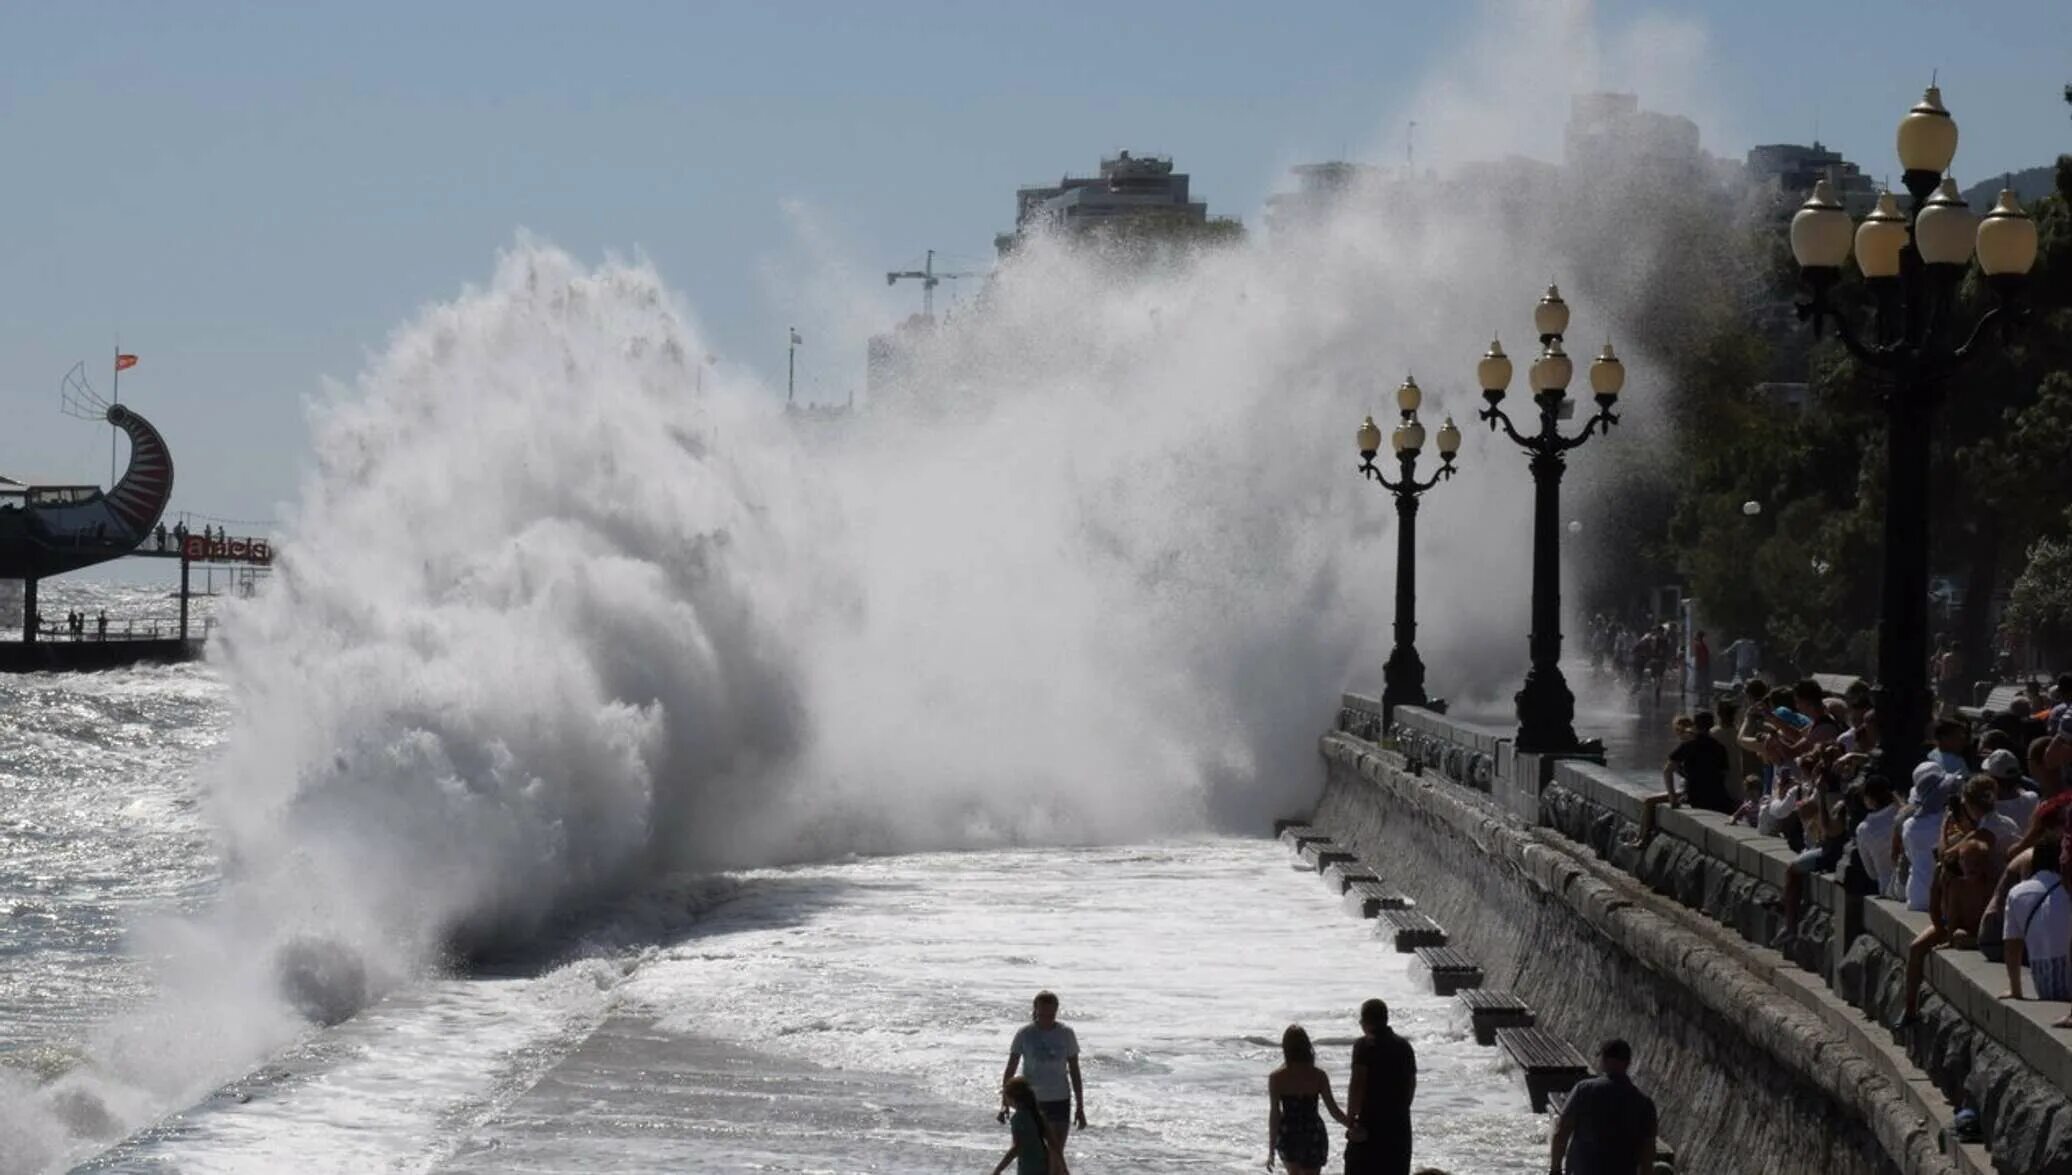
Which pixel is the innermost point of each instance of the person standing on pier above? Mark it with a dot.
(1384, 1082)
(1050, 1052)
(1607, 1126)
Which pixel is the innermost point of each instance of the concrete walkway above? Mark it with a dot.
(635, 1098)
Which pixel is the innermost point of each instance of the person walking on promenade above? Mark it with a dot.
(1050, 1052)
(1038, 1148)
(1294, 1129)
(1384, 1082)
(1608, 1125)
(1745, 656)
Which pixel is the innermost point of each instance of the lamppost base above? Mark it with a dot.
(1403, 682)
(1546, 714)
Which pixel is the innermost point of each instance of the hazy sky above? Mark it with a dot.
(255, 195)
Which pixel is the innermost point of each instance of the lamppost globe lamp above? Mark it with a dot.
(2006, 241)
(1408, 395)
(1449, 440)
(1370, 440)
(1607, 376)
(1546, 708)
(1880, 239)
(1751, 508)
(1550, 317)
(1553, 369)
(1912, 259)
(1409, 437)
(1946, 229)
(1494, 372)
(1820, 234)
(1403, 674)
(1927, 139)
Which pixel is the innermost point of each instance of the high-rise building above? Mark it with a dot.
(1320, 188)
(1128, 188)
(1791, 170)
(1610, 133)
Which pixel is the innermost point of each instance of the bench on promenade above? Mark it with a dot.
(1548, 1064)
(1995, 703)
(1297, 835)
(1491, 1008)
(1322, 854)
(1369, 898)
(1342, 875)
(1449, 968)
(1409, 930)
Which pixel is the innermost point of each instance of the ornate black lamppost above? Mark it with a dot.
(1546, 708)
(1912, 264)
(1403, 676)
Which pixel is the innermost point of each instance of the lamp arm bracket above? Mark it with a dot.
(1496, 416)
(1884, 357)
(1604, 419)
(1978, 333)
(1438, 475)
(1370, 469)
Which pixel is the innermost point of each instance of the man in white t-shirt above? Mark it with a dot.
(2016, 802)
(2038, 925)
(1048, 1052)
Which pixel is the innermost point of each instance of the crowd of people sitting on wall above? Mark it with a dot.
(1973, 837)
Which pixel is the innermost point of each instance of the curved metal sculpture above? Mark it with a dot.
(47, 530)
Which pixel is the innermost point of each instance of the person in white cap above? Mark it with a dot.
(2017, 802)
(1919, 829)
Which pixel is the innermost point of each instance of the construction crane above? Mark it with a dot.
(929, 279)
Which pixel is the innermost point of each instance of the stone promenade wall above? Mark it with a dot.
(1761, 1059)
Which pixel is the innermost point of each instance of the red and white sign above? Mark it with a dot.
(226, 550)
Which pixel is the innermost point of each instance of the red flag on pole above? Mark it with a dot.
(125, 362)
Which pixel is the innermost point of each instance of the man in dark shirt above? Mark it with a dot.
(1702, 761)
(1383, 1083)
(1608, 1126)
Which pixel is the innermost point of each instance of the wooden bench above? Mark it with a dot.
(1341, 875)
(1449, 968)
(1548, 1063)
(1369, 898)
(1410, 930)
(1491, 1008)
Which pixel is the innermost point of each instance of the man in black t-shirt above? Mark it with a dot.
(1383, 1083)
(1702, 761)
(1607, 1126)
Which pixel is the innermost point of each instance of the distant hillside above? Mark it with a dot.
(2032, 184)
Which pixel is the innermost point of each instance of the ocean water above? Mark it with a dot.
(875, 995)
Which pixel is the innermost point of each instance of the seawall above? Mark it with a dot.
(1760, 1059)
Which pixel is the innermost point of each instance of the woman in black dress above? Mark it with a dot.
(1294, 1129)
